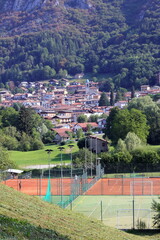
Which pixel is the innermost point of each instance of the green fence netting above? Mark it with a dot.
(78, 186)
(48, 196)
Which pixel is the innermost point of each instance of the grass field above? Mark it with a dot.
(116, 211)
(40, 157)
(128, 175)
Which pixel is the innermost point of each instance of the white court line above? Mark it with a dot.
(80, 201)
(93, 210)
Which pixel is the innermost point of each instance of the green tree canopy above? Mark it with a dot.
(152, 112)
(103, 101)
(120, 122)
(132, 141)
(83, 157)
(5, 163)
(82, 118)
(9, 117)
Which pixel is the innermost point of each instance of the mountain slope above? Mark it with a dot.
(43, 39)
(23, 216)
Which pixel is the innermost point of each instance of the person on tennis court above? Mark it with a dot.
(20, 186)
(76, 177)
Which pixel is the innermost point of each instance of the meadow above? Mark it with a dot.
(40, 157)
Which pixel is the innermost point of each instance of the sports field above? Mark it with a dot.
(117, 202)
(104, 186)
(116, 211)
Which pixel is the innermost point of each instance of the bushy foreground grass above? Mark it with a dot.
(16, 229)
(26, 217)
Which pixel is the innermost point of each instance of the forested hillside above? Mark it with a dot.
(118, 38)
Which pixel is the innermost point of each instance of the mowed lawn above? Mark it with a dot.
(40, 157)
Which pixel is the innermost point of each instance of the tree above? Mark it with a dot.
(140, 103)
(103, 101)
(1, 85)
(118, 96)
(156, 208)
(108, 131)
(81, 143)
(37, 144)
(133, 92)
(120, 122)
(48, 137)
(10, 143)
(5, 162)
(145, 160)
(121, 146)
(25, 142)
(42, 130)
(25, 120)
(116, 161)
(111, 98)
(79, 133)
(29, 121)
(82, 118)
(83, 155)
(17, 106)
(132, 141)
(93, 118)
(9, 117)
(152, 112)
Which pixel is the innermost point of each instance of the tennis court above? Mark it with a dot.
(104, 186)
(115, 201)
(125, 186)
(116, 211)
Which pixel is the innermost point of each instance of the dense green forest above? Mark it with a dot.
(118, 38)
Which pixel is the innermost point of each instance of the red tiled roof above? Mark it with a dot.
(62, 131)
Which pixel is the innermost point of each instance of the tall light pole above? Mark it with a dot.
(96, 151)
(61, 149)
(98, 168)
(49, 160)
(133, 203)
(85, 154)
(91, 158)
(71, 146)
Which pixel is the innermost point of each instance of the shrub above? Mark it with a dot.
(37, 144)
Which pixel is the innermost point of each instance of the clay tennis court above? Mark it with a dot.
(105, 186)
(125, 186)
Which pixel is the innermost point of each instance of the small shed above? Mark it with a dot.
(14, 172)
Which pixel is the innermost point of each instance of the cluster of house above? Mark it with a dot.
(64, 102)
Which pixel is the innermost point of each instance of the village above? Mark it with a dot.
(65, 101)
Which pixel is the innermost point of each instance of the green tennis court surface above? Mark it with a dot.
(116, 211)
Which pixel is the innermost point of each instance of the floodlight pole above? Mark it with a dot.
(96, 152)
(133, 204)
(98, 162)
(91, 158)
(85, 155)
(71, 146)
(49, 160)
(61, 149)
